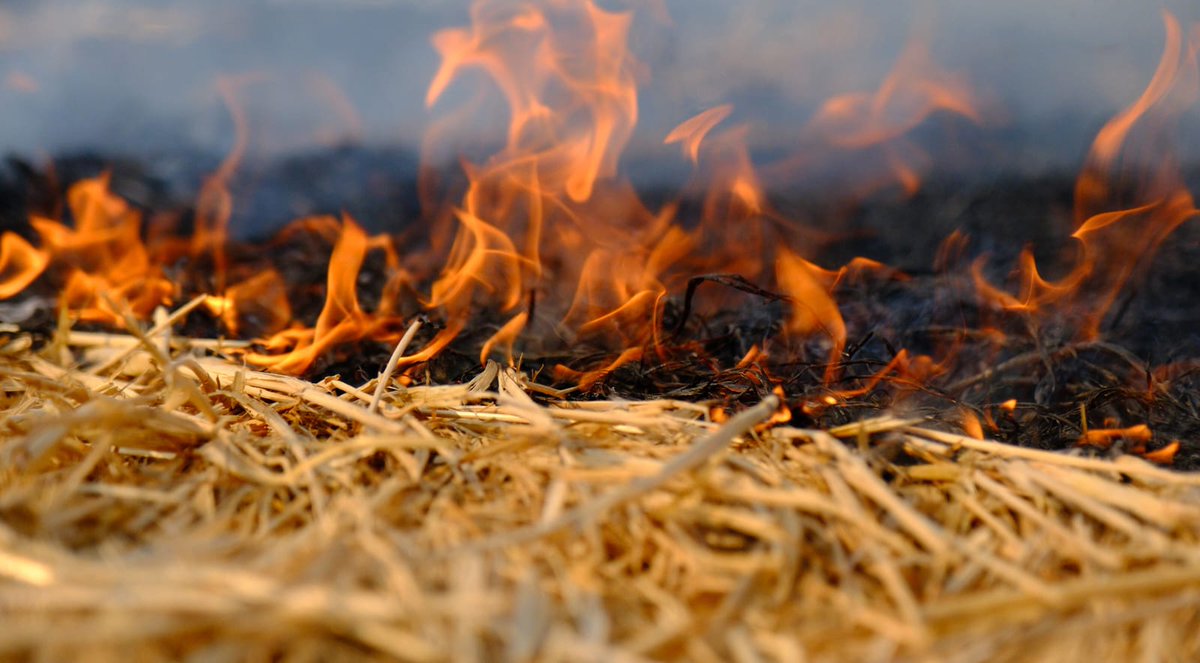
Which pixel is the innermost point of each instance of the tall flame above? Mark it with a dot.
(530, 219)
(1121, 221)
(546, 239)
(546, 218)
(214, 205)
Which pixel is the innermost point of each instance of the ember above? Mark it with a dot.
(886, 310)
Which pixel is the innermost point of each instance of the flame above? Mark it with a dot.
(971, 425)
(530, 219)
(586, 379)
(1104, 437)
(261, 298)
(690, 133)
(214, 205)
(505, 337)
(573, 100)
(1115, 242)
(915, 88)
(1093, 188)
(1165, 455)
(738, 228)
(20, 264)
(108, 269)
(342, 320)
(813, 306)
(546, 218)
(877, 123)
(620, 294)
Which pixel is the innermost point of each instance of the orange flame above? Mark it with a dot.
(915, 89)
(547, 218)
(1165, 455)
(690, 133)
(1114, 242)
(546, 214)
(109, 271)
(1104, 437)
(20, 264)
(813, 307)
(342, 320)
(1093, 188)
(505, 337)
(214, 205)
(262, 297)
(971, 425)
(529, 219)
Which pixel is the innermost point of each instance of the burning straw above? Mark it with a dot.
(161, 501)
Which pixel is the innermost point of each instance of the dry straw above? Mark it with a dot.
(158, 501)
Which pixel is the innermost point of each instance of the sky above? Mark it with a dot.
(136, 76)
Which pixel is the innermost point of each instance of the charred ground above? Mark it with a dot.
(1145, 370)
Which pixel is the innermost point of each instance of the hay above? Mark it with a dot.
(159, 501)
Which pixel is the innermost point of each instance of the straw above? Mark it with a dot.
(161, 502)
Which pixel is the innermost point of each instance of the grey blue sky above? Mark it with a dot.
(136, 75)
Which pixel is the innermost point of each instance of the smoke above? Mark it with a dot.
(138, 76)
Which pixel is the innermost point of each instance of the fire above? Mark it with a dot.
(877, 124)
(1114, 242)
(108, 270)
(342, 320)
(1104, 437)
(214, 204)
(20, 264)
(690, 133)
(572, 101)
(914, 89)
(971, 424)
(1093, 190)
(546, 218)
(814, 309)
(545, 242)
(505, 338)
(262, 297)
(572, 97)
